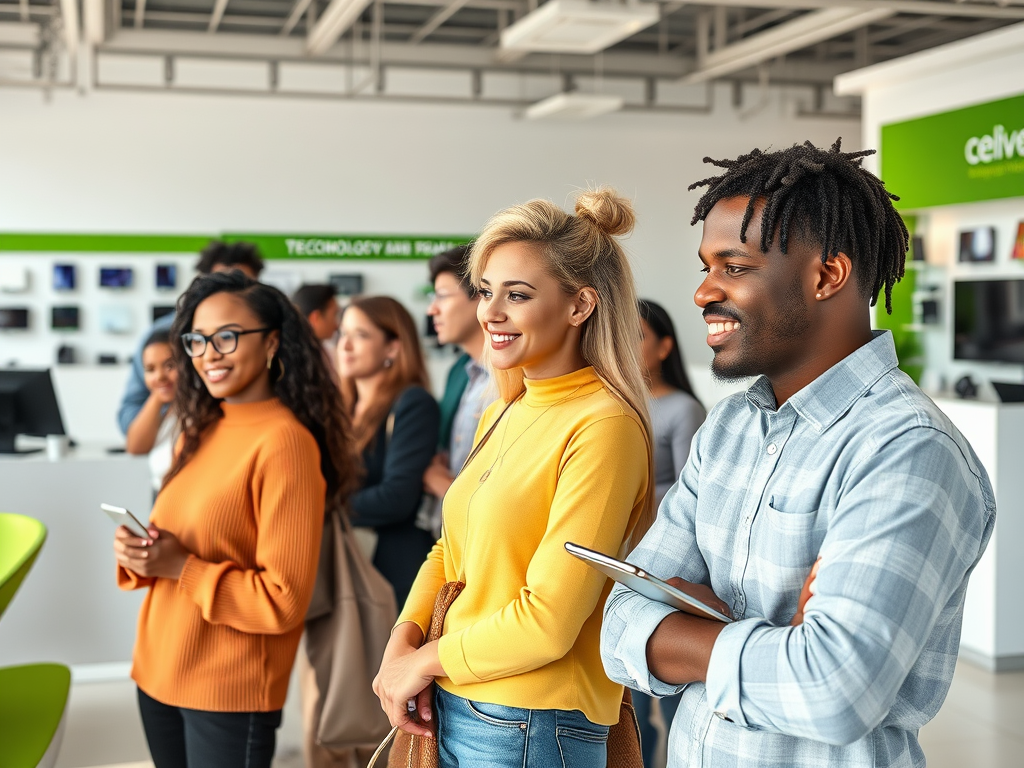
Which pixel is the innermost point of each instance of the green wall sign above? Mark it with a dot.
(970, 154)
(272, 246)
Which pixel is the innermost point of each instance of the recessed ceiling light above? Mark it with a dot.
(574, 106)
(578, 26)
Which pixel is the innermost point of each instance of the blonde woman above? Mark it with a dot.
(518, 668)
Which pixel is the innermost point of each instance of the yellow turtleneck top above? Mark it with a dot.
(249, 506)
(568, 462)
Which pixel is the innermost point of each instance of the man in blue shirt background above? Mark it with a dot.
(832, 460)
(215, 257)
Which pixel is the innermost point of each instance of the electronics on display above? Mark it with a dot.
(64, 319)
(978, 244)
(115, 318)
(160, 311)
(13, 318)
(14, 278)
(28, 406)
(63, 277)
(1018, 243)
(917, 248)
(346, 285)
(115, 277)
(988, 320)
(166, 276)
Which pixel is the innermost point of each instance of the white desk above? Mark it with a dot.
(68, 608)
(993, 630)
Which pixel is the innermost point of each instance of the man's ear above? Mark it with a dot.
(832, 276)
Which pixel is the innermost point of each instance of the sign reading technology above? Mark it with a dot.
(970, 154)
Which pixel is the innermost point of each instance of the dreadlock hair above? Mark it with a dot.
(827, 198)
(299, 375)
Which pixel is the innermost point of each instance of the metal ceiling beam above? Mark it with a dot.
(293, 18)
(437, 20)
(800, 33)
(924, 7)
(218, 13)
(69, 12)
(94, 21)
(337, 17)
(203, 19)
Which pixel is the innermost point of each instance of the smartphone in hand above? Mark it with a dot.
(122, 516)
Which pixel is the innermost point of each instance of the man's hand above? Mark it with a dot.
(437, 479)
(805, 594)
(161, 555)
(679, 650)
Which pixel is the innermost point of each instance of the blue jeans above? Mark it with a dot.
(477, 735)
(648, 735)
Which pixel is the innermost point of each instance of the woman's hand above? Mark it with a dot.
(701, 592)
(437, 479)
(161, 555)
(405, 676)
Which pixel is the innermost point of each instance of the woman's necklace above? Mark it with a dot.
(500, 458)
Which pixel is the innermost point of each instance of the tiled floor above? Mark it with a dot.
(981, 725)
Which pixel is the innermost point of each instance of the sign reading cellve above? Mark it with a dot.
(967, 155)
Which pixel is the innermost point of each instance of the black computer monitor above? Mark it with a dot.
(28, 406)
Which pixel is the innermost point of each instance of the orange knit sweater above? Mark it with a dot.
(249, 506)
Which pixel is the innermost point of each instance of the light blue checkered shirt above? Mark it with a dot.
(864, 469)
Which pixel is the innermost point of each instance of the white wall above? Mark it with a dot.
(155, 163)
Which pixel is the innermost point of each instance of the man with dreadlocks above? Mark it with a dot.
(833, 471)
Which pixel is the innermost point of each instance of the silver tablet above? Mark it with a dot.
(644, 583)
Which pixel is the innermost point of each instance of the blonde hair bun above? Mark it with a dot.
(607, 209)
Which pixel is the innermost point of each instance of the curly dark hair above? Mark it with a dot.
(821, 196)
(303, 382)
(240, 253)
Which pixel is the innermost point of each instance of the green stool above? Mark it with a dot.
(33, 697)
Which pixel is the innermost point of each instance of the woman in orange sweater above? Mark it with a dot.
(235, 532)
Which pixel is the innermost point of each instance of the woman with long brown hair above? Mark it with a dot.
(231, 555)
(384, 388)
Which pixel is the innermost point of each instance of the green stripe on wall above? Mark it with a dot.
(97, 243)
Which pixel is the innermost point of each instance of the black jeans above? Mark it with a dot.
(193, 738)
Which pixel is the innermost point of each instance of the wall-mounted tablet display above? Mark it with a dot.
(917, 248)
(115, 318)
(978, 244)
(64, 277)
(14, 278)
(1018, 243)
(161, 310)
(988, 320)
(115, 277)
(346, 285)
(166, 276)
(13, 318)
(64, 318)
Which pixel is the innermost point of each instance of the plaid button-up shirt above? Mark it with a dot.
(861, 468)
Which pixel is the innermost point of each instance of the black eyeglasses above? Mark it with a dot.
(225, 341)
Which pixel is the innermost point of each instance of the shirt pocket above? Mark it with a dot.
(793, 533)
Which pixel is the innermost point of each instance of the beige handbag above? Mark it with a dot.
(347, 629)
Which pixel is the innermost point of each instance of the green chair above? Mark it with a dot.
(33, 697)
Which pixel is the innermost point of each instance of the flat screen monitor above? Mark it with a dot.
(115, 277)
(13, 318)
(64, 319)
(988, 320)
(63, 277)
(161, 311)
(166, 276)
(346, 285)
(28, 406)
(978, 244)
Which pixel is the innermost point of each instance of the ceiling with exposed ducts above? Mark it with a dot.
(654, 45)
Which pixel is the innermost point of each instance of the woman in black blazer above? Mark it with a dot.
(396, 421)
